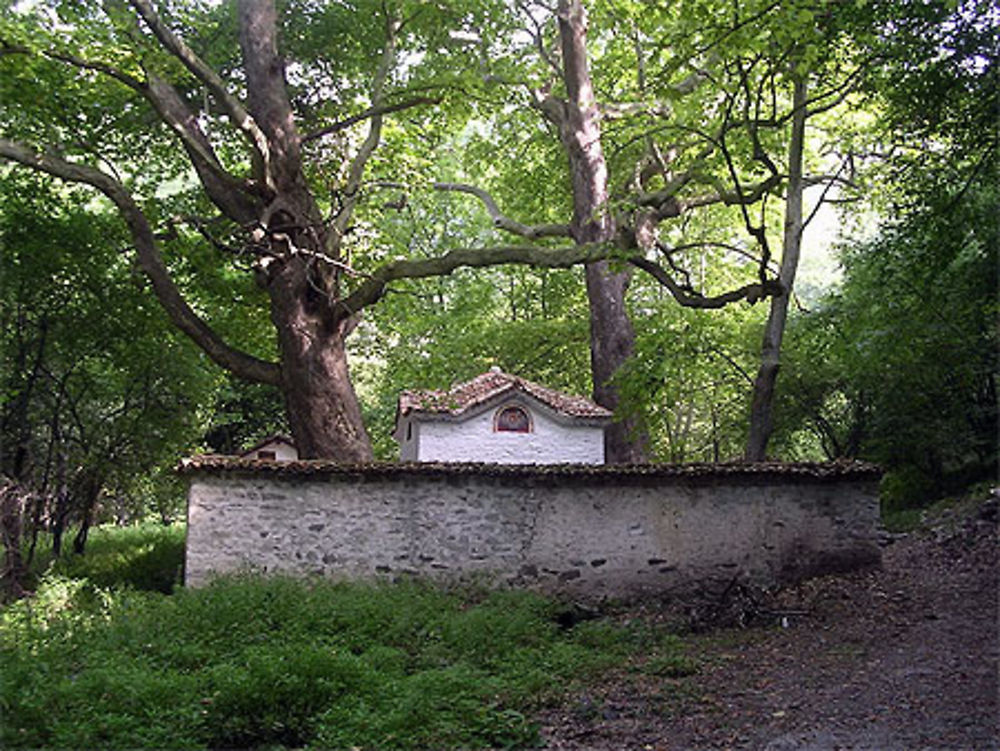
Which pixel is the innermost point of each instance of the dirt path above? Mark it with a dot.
(905, 657)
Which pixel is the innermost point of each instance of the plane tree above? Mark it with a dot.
(267, 133)
(683, 128)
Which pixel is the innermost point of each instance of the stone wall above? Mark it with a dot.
(591, 531)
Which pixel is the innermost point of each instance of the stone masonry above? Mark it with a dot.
(589, 531)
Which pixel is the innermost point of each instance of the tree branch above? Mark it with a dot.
(373, 111)
(178, 48)
(501, 221)
(371, 142)
(373, 288)
(180, 313)
(227, 192)
(749, 292)
(738, 197)
(376, 284)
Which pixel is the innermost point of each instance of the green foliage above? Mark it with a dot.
(98, 391)
(689, 376)
(941, 514)
(899, 366)
(144, 557)
(672, 666)
(242, 413)
(249, 663)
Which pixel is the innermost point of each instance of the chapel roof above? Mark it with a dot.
(462, 397)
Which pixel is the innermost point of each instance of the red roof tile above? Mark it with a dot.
(464, 396)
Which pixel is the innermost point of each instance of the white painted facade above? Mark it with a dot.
(472, 436)
(277, 449)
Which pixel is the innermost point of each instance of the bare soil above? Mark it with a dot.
(902, 657)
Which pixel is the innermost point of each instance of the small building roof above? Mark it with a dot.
(276, 438)
(463, 397)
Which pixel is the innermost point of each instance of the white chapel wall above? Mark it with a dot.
(475, 440)
(282, 451)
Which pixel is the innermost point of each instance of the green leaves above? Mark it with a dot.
(246, 663)
(899, 366)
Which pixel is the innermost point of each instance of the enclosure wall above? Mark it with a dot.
(589, 531)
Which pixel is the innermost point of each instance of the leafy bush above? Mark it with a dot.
(248, 662)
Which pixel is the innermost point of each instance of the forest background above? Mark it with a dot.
(167, 236)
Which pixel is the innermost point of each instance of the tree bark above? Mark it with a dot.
(86, 495)
(13, 501)
(612, 338)
(762, 404)
(322, 407)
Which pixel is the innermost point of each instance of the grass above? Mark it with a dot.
(938, 511)
(280, 663)
(145, 557)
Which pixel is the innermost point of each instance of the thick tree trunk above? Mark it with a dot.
(762, 405)
(320, 401)
(612, 342)
(612, 338)
(322, 407)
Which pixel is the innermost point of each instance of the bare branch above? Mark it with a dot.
(203, 72)
(376, 284)
(230, 194)
(728, 247)
(501, 221)
(739, 197)
(240, 363)
(537, 36)
(732, 362)
(749, 292)
(371, 142)
(827, 187)
(378, 110)
(373, 289)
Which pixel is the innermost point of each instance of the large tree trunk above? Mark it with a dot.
(612, 338)
(321, 404)
(322, 407)
(762, 405)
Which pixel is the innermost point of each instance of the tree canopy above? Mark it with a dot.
(273, 133)
(336, 201)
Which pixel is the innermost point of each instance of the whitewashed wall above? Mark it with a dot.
(474, 440)
(282, 451)
(601, 532)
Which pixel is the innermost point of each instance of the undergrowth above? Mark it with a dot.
(145, 556)
(912, 519)
(279, 663)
